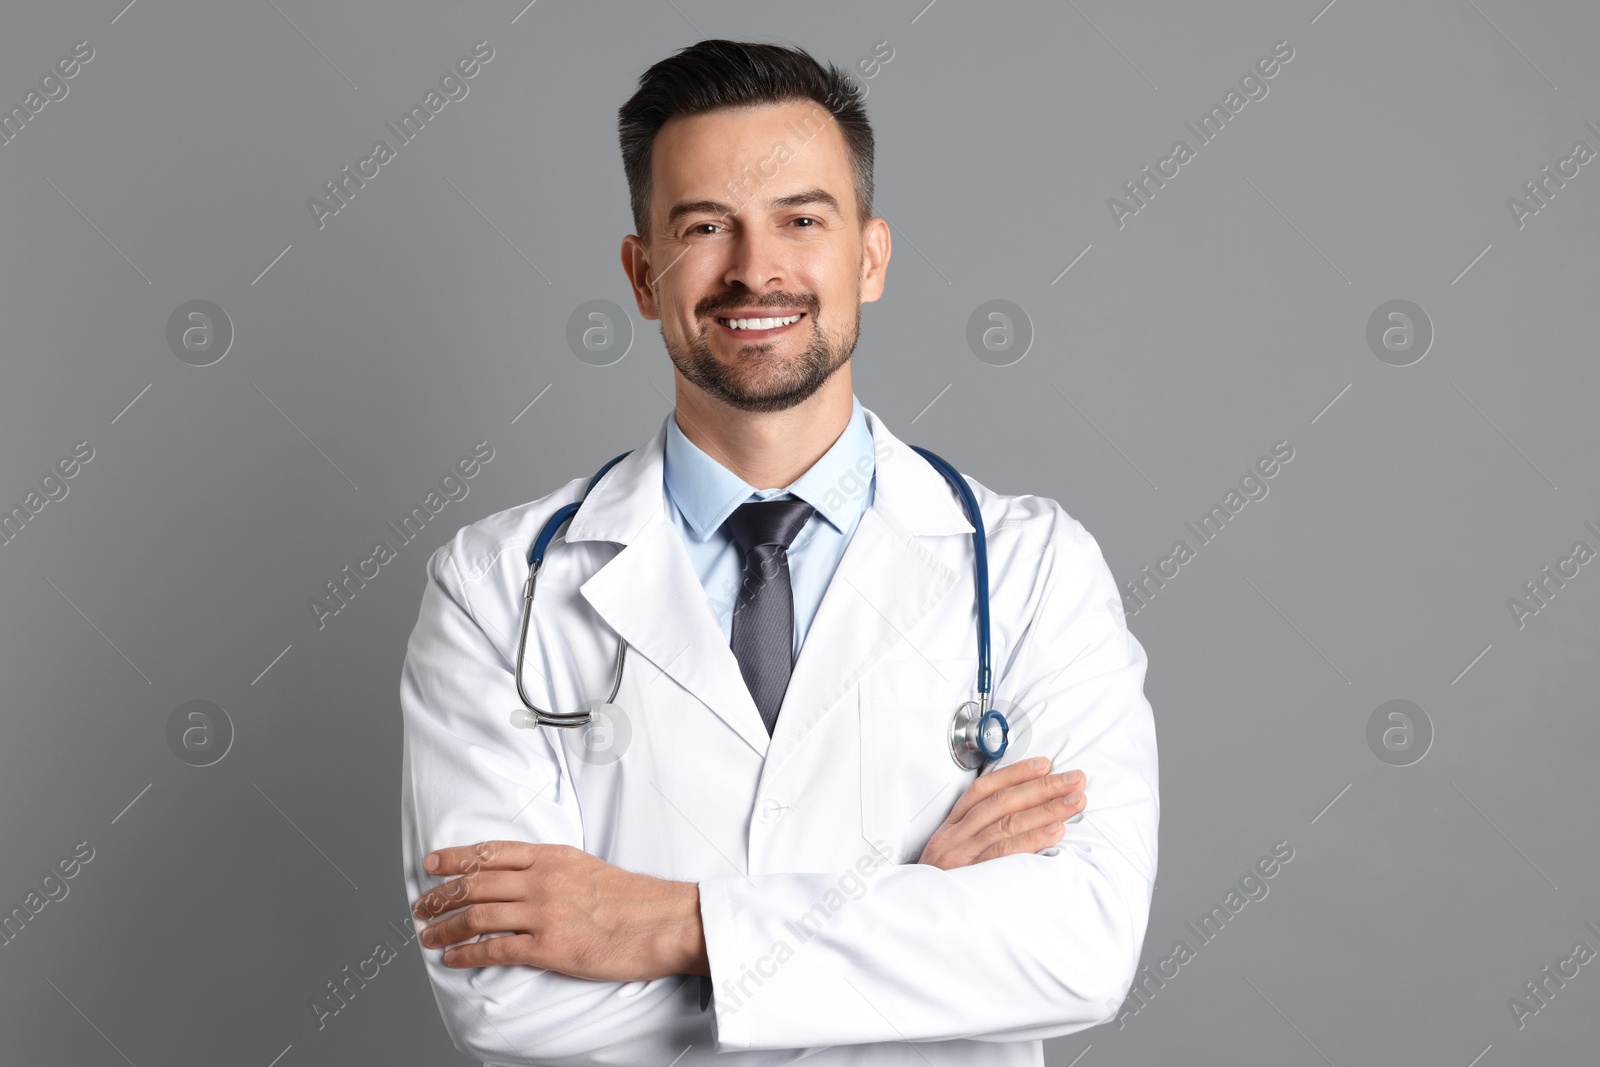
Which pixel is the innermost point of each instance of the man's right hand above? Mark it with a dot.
(1020, 808)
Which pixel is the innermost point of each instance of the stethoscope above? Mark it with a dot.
(977, 732)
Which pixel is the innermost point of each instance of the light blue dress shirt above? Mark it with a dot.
(702, 493)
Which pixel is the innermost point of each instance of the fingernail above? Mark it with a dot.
(1039, 763)
(432, 862)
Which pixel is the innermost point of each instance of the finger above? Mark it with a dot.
(493, 951)
(1027, 794)
(989, 784)
(485, 855)
(470, 922)
(1032, 841)
(478, 888)
(1020, 831)
(1021, 823)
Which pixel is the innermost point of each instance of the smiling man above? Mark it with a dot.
(759, 285)
(765, 845)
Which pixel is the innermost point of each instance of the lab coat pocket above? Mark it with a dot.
(909, 780)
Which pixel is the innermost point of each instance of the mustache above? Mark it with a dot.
(808, 304)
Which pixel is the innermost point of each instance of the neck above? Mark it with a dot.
(768, 449)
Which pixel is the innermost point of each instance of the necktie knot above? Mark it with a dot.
(767, 522)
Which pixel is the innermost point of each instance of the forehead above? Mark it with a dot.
(756, 152)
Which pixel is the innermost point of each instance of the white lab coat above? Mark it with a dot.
(820, 947)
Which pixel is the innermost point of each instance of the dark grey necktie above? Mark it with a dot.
(763, 615)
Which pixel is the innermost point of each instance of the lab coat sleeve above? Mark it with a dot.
(1016, 948)
(467, 776)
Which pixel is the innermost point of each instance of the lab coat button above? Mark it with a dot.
(770, 810)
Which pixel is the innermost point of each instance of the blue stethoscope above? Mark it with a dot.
(977, 732)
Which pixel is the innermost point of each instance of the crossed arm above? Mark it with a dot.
(1061, 946)
(561, 909)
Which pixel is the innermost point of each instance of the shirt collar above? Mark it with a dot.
(706, 492)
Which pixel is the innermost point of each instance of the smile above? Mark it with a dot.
(753, 328)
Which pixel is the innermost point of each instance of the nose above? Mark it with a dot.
(757, 260)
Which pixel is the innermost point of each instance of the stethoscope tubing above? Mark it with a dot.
(535, 561)
(980, 550)
(974, 724)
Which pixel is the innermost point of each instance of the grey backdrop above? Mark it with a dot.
(1229, 313)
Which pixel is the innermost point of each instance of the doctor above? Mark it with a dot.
(769, 801)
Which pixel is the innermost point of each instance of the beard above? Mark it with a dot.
(760, 379)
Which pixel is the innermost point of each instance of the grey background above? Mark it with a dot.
(1228, 314)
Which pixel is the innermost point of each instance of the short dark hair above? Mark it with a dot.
(726, 74)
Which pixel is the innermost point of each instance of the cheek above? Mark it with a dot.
(689, 283)
(836, 279)
(689, 323)
(674, 311)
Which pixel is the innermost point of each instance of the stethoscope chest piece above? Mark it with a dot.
(977, 736)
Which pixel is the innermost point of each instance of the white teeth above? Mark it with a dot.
(758, 324)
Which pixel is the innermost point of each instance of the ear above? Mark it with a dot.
(876, 244)
(636, 265)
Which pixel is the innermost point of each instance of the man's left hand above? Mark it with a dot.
(563, 910)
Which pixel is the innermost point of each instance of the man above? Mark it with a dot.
(770, 802)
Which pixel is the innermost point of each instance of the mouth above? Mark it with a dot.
(756, 329)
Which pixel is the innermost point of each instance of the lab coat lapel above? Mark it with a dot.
(887, 580)
(650, 595)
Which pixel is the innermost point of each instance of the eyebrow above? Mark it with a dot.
(716, 207)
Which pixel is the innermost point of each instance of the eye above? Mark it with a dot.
(695, 228)
(808, 218)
